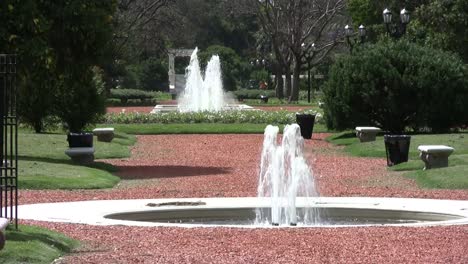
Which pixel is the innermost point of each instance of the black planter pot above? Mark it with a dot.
(263, 98)
(173, 96)
(80, 140)
(397, 148)
(306, 123)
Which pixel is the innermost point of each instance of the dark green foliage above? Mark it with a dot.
(125, 94)
(253, 93)
(444, 24)
(78, 101)
(149, 75)
(58, 43)
(153, 76)
(23, 35)
(395, 85)
(36, 98)
(232, 67)
(79, 36)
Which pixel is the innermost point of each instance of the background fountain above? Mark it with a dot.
(203, 94)
(285, 176)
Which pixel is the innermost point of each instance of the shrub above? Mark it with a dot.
(36, 98)
(153, 76)
(79, 102)
(395, 85)
(253, 93)
(125, 94)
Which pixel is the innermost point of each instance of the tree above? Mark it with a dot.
(57, 44)
(80, 35)
(137, 21)
(443, 25)
(369, 13)
(24, 32)
(290, 24)
(395, 85)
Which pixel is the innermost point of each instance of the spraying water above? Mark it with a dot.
(284, 176)
(202, 94)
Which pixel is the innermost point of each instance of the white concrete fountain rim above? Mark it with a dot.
(174, 108)
(94, 212)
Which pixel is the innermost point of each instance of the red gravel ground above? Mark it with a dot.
(227, 165)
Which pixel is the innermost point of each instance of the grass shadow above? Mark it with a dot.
(95, 165)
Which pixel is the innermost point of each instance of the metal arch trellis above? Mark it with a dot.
(8, 139)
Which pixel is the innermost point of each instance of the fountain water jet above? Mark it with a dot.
(203, 94)
(285, 176)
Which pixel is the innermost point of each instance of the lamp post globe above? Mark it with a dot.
(362, 31)
(387, 16)
(404, 16)
(348, 31)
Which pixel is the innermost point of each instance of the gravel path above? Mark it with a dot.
(227, 165)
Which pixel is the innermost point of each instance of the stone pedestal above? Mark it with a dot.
(81, 155)
(435, 156)
(104, 134)
(367, 134)
(3, 224)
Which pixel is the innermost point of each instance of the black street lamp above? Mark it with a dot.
(349, 33)
(309, 50)
(396, 30)
(261, 64)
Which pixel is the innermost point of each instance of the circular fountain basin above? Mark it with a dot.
(240, 212)
(175, 108)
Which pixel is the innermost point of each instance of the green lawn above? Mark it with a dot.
(452, 177)
(53, 146)
(50, 175)
(31, 244)
(44, 165)
(197, 128)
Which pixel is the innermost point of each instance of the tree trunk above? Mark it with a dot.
(38, 126)
(279, 84)
(288, 83)
(294, 97)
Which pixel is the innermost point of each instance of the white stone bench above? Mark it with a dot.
(367, 134)
(105, 134)
(435, 156)
(3, 225)
(81, 155)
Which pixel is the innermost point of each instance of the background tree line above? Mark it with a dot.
(72, 52)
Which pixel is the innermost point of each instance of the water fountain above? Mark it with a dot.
(202, 94)
(285, 176)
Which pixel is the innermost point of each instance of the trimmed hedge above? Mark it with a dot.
(253, 94)
(125, 94)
